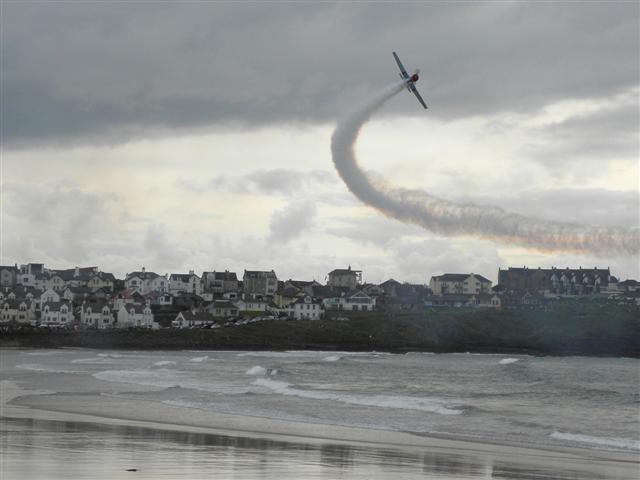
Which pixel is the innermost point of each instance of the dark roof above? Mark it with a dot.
(289, 292)
(458, 277)
(223, 304)
(225, 276)
(55, 306)
(391, 281)
(344, 271)
(9, 267)
(84, 273)
(143, 275)
(79, 290)
(259, 273)
(183, 277)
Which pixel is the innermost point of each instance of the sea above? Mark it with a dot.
(525, 401)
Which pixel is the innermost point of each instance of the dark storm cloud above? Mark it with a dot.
(79, 72)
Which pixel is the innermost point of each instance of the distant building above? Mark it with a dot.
(8, 276)
(222, 308)
(56, 313)
(354, 301)
(220, 282)
(259, 284)
(308, 308)
(184, 283)
(144, 282)
(192, 318)
(555, 281)
(459, 284)
(348, 278)
(97, 315)
(136, 315)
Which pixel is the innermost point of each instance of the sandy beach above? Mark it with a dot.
(86, 414)
(466, 459)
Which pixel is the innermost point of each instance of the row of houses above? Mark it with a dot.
(88, 296)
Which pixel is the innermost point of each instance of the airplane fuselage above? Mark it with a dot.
(414, 78)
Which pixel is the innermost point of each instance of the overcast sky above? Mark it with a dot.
(196, 135)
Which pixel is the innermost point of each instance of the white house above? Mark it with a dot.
(358, 301)
(345, 277)
(97, 315)
(184, 282)
(136, 316)
(21, 311)
(222, 308)
(49, 296)
(144, 282)
(191, 318)
(250, 305)
(56, 314)
(308, 308)
(459, 283)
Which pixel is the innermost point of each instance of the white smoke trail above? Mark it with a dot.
(449, 218)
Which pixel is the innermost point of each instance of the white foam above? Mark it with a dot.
(165, 378)
(626, 443)
(110, 355)
(507, 361)
(164, 363)
(199, 359)
(385, 401)
(51, 352)
(268, 354)
(331, 358)
(36, 367)
(257, 371)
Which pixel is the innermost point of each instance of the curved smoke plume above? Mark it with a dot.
(449, 218)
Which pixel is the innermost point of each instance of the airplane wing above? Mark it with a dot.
(400, 66)
(415, 92)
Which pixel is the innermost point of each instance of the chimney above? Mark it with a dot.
(77, 272)
(143, 269)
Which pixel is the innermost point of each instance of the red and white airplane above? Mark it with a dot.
(409, 81)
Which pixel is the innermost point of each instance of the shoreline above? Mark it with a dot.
(25, 404)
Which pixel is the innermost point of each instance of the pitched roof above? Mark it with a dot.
(344, 271)
(225, 276)
(182, 277)
(259, 273)
(143, 275)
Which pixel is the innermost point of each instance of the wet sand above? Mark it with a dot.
(231, 443)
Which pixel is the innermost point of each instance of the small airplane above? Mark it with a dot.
(409, 81)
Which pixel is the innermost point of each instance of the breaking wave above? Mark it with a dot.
(384, 401)
(165, 378)
(625, 443)
(36, 367)
(507, 361)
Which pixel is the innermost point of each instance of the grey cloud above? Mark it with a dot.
(291, 222)
(64, 223)
(373, 230)
(77, 72)
(611, 132)
(581, 206)
(278, 181)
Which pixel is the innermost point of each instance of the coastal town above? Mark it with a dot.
(87, 297)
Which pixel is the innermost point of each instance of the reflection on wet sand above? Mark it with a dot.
(72, 450)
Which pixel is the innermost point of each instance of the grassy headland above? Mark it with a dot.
(566, 328)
